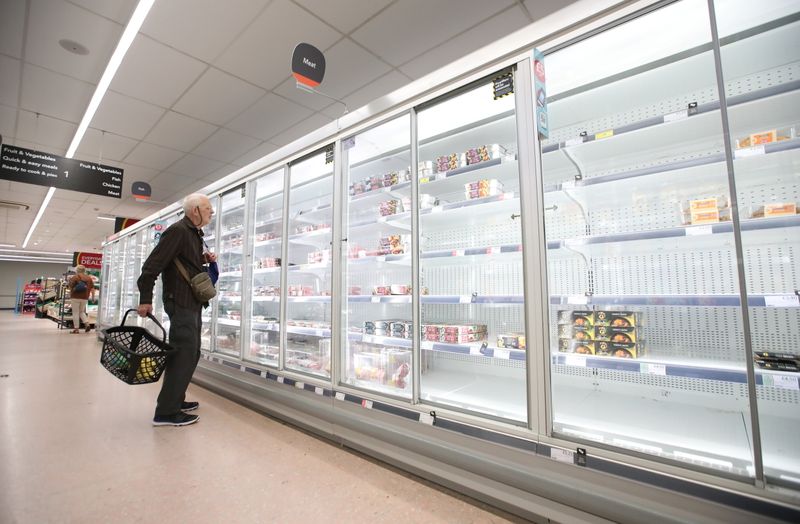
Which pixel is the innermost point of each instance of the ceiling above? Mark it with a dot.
(205, 88)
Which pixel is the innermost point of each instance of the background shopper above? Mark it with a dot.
(80, 297)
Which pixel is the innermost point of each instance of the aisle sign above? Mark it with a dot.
(308, 65)
(87, 260)
(121, 223)
(45, 169)
(540, 94)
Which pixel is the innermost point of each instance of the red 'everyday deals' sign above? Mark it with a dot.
(88, 260)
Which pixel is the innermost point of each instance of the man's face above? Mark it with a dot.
(204, 212)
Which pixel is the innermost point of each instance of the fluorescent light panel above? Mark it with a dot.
(46, 201)
(134, 24)
(29, 252)
(14, 258)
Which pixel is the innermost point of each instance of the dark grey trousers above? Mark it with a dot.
(184, 336)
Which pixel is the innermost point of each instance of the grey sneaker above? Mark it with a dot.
(178, 419)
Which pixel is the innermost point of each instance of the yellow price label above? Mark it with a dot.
(424, 180)
(604, 134)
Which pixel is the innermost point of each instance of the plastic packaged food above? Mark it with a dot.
(615, 318)
(776, 209)
(427, 201)
(446, 162)
(483, 188)
(512, 341)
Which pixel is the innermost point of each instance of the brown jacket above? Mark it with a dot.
(73, 281)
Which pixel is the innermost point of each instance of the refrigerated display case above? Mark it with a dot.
(379, 331)
(230, 260)
(308, 271)
(759, 63)
(208, 317)
(446, 283)
(267, 252)
(472, 331)
(645, 314)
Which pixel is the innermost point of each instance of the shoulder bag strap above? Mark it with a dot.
(182, 270)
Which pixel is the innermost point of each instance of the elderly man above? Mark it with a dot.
(182, 241)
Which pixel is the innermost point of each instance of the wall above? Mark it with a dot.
(10, 272)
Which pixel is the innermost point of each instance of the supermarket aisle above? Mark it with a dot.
(76, 445)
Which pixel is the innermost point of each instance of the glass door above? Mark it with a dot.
(230, 259)
(646, 341)
(112, 288)
(207, 340)
(378, 315)
(472, 336)
(265, 289)
(308, 273)
(760, 64)
(154, 236)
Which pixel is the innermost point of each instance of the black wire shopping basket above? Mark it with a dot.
(133, 354)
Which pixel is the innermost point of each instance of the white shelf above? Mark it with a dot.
(500, 397)
(771, 300)
(477, 349)
(663, 428)
(700, 234)
(315, 238)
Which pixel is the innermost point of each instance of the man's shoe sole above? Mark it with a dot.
(187, 423)
(187, 410)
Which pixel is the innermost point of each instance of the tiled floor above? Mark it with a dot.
(76, 445)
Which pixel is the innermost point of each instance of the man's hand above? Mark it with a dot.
(145, 309)
(210, 257)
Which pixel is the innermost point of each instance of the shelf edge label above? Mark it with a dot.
(562, 455)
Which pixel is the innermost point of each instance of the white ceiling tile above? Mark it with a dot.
(50, 21)
(180, 132)
(344, 15)
(154, 72)
(118, 10)
(541, 8)
(100, 147)
(349, 66)
(49, 132)
(126, 116)
(254, 154)
(54, 94)
(487, 32)
(12, 26)
(170, 182)
(271, 115)
(372, 91)
(225, 146)
(132, 173)
(401, 22)
(10, 72)
(218, 97)
(201, 28)
(305, 127)
(8, 122)
(195, 166)
(153, 156)
(262, 54)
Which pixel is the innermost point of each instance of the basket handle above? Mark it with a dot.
(151, 317)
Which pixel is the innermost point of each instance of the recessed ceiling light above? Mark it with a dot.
(73, 47)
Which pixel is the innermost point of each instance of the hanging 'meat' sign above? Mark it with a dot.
(308, 65)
